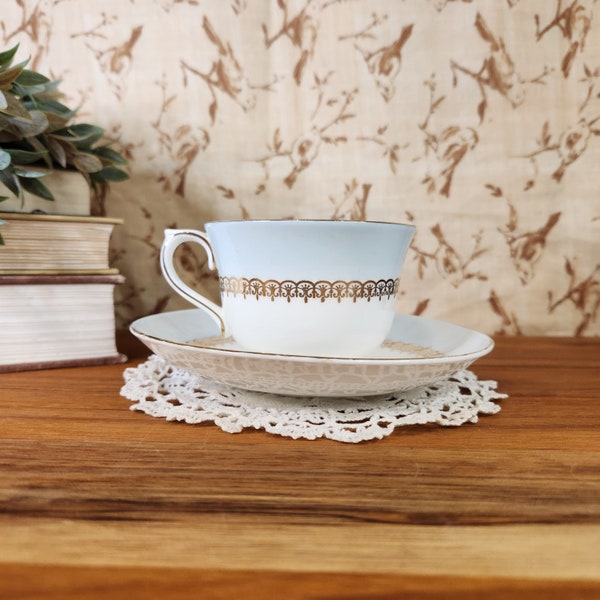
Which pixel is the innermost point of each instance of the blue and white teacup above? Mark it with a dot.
(299, 287)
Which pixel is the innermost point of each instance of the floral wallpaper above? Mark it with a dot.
(476, 120)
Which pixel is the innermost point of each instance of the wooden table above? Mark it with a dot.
(97, 501)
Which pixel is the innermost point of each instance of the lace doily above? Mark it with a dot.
(161, 390)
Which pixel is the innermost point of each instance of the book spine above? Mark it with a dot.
(66, 278)
(62, 364)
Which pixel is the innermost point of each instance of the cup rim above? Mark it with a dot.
(310, 221)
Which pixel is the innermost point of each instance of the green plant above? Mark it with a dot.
(36, 130)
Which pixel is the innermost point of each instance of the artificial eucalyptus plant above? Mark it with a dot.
(37, 130)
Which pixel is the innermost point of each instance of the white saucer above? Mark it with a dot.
(418, 351)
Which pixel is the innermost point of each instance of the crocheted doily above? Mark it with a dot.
(161, 390)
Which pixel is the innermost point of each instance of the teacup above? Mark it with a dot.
(299, 287)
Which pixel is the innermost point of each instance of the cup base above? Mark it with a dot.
(344, 330)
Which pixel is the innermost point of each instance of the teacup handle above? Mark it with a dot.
(173, 239)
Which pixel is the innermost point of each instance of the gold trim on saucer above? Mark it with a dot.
(415, 351)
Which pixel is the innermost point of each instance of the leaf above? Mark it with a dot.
(420, 309)
(334, 140)
(39, 147)
(37, 188)
(5, 159)
(87, 131)
(10, 75)
(110, 174)
(8, 178)
(28, 174)
(485, 32)
(495, 190)
(29, 78)
(394, 159)
(7, 56)
(546, 136)
(496, 305)
(227, 193)
(569, 268)
(50, 105)
(86, 162)
(57, 151)
(29, 91)
(34, 94)
(569, 57)
(210, 32)
(110, 155)
(25, 157)
(481, 109)
(513, 219)
(14, 107)
(277, 140)
(478, 253)
(7, 134)
(553, 219)
(55, 122)
(437, 103)
(82, 135)
(30, 128)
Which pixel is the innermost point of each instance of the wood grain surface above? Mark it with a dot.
(97, 501)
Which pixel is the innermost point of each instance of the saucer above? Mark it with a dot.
(418, 351)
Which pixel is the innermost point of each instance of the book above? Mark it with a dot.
(71, 193)
(55, 243)
(49, 321)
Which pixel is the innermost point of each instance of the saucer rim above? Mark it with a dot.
(446, 358)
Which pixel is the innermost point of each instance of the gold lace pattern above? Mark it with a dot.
(309, 290)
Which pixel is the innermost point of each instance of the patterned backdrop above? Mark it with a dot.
(476, 120)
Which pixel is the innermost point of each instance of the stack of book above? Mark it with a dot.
(56, 290)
